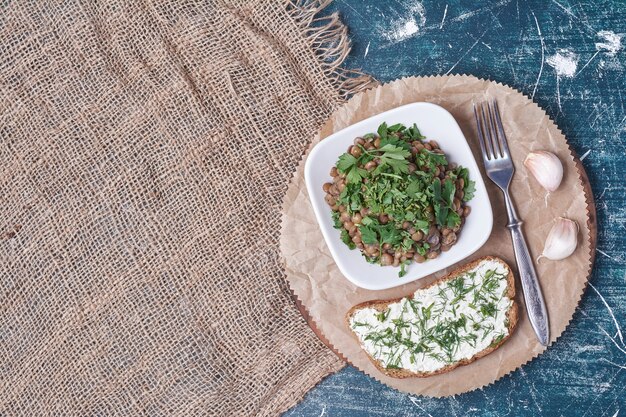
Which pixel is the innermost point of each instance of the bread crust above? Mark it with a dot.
(380, 305)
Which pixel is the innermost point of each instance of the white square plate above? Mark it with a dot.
(435, 123)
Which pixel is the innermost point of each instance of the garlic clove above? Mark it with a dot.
(546, 167)
(562, 240)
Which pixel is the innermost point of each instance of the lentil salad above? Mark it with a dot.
(396, 197)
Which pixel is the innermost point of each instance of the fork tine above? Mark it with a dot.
(493, 132)
(481, 139)
(503, 142)
(487, 133)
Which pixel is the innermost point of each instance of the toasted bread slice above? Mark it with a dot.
(510, 321)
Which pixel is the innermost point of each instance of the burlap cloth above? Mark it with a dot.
(145, 149)
(327, 295)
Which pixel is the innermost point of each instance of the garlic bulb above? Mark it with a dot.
(546, 168)
(562, 240)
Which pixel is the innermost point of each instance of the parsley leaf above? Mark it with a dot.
(421, 225)
(394, 152)
(368, 221)
(470, 186)
(337, 224)
(346, 162)
(469, 189)
(390, 234)
(355, 175)
(453, 219)
(368, 235)
(448, 192)
(443, 198)
(415, 190)
(382, 131)
(393, 140)
(403, 270)
(407, 243)
(441, 215)
(398, 127)
(345, 238)
(414, 133)
(441, 210)
(395, 157)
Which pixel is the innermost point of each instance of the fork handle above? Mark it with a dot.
(535, 305)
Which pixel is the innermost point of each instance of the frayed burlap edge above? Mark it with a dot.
(330, 44)
(329, 41)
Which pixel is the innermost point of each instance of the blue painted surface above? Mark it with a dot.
(517, 42)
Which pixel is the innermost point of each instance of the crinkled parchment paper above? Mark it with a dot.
(327, 295)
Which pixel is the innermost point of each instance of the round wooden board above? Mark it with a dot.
(591, 222)
(323, 296)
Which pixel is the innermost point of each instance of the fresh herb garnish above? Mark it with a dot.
(403, 266)
(469, 188)
(489, 309)
(443, 199)
(442, 330)
(348, 164)
(497, 339)
(382, 316)
(397, 185)
(337, 224)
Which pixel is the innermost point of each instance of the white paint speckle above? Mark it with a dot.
(543, 48)
(367, 49)
(409, 29)
(564, 63)
(617, 326)
(408, 26)
(468, 51)
(611, 44)
(416, 402)
(585, 66)
(590, 348)
(586, 154)
(445, 12)
(610, 64)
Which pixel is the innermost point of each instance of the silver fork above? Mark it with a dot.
(499, 168)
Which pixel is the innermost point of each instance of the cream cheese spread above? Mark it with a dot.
(440, 325)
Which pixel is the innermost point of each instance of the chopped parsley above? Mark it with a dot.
(393, 178)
